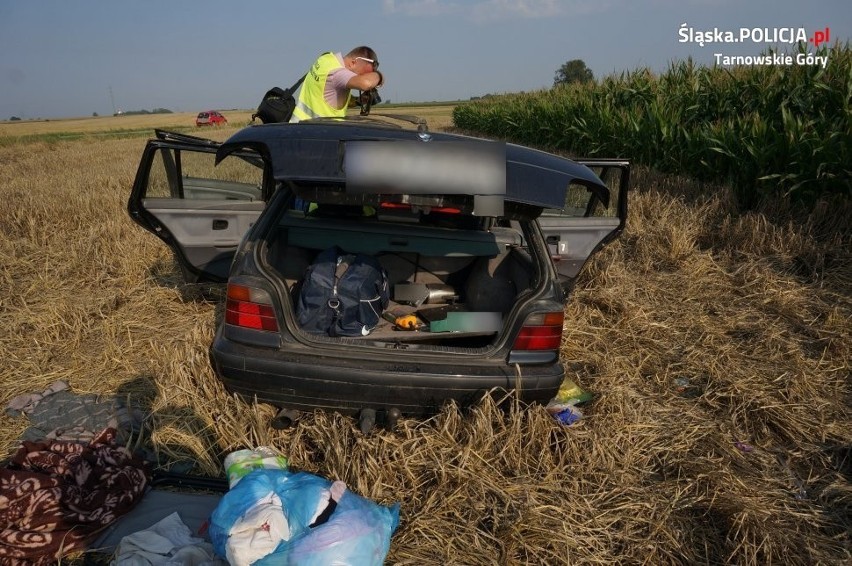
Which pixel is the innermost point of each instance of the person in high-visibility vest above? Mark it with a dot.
(325, 90)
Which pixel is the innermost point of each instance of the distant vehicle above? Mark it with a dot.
(210, 118)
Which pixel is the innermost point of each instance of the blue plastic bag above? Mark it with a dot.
(358, 531)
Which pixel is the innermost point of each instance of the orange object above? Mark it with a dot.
(407, 322)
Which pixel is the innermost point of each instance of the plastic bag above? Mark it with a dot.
(240, 463)
(358, 531)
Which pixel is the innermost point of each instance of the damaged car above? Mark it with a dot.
(468, 249)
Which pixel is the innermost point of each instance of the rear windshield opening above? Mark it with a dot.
(451, 211)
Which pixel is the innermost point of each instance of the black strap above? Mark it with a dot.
(297, 83)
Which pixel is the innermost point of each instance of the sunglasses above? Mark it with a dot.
(372, 62)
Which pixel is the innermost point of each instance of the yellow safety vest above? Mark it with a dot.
(311, 102)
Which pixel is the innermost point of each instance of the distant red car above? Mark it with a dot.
(210, 118)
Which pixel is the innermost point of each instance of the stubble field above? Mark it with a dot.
(717, 344)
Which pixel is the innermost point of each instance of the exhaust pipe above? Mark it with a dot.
(366, 420)
(286, 418)
(392, 417)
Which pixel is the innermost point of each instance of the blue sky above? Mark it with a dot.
(61, 58)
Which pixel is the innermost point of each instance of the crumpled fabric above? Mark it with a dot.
(57, 413)
(26, 403)
(169, 542)
(258, 532)
(355, 530)
(55, 496)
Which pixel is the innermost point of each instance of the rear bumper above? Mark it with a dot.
(301, 379)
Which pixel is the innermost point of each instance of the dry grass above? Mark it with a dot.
(437, 116)
(106, 124)
(753, 310)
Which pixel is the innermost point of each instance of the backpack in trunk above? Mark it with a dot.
(342, 294)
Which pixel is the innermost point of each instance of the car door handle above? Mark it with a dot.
(219, 224)
(553, 246)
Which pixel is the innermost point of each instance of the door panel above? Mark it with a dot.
(201, 210)
(208, 237)
(584, 225)
(574, 240)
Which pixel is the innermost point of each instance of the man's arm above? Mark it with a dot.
(366, 81)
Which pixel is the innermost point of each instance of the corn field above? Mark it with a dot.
(767, 131)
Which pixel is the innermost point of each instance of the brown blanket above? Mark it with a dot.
(55, 496)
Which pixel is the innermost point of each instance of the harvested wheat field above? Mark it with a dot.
(718, 346)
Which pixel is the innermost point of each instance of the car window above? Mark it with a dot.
(576, 202)
(612, 177)
(194, 175)
(580, 201)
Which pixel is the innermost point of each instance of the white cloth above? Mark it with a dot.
(169, 542)
(258, 532)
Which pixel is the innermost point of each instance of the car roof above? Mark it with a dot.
(311, 151)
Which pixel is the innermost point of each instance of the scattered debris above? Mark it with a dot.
(565, 414)
(563, 407)
(685, 387)
(572, 393)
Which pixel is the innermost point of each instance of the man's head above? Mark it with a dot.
(361, 60)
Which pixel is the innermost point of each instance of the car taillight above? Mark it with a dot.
(541, 331)
(249, 307)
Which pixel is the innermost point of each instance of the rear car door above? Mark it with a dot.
(199, 209)
(586, 223)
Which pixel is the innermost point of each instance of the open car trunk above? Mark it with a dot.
(460, 277)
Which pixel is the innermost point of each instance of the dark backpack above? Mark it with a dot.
(277, 104)
(342, 294)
